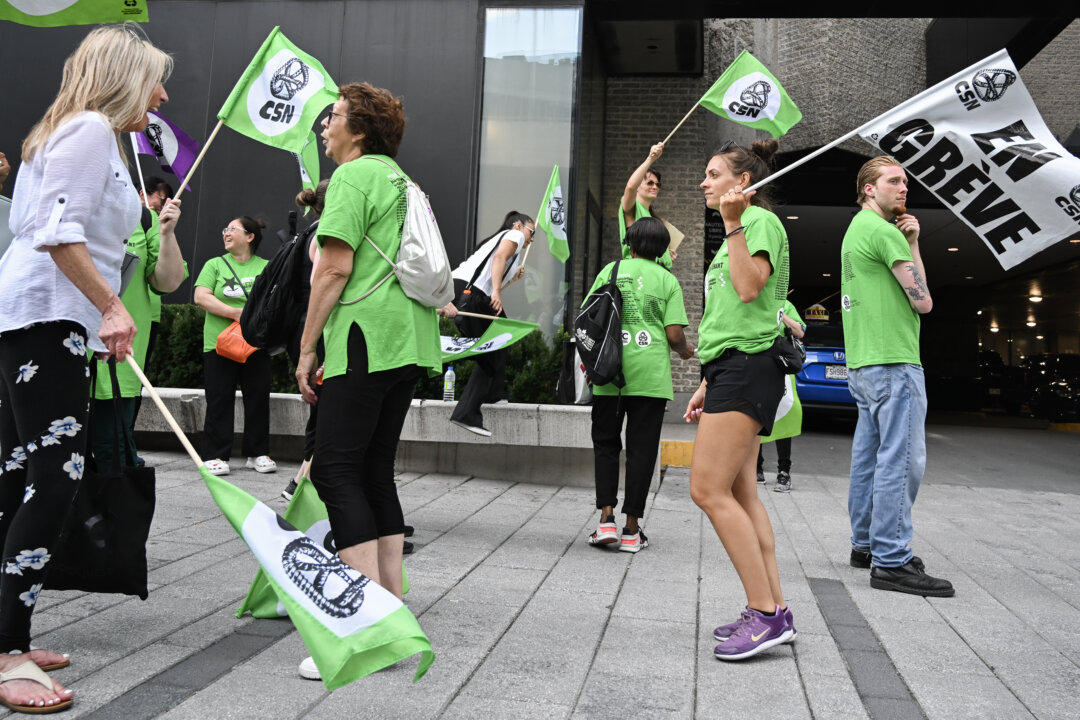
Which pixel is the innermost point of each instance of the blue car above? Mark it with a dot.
(823, 380)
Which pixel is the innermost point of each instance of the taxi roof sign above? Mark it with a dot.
(816, 312)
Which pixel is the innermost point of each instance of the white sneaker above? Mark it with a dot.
(261, 464)
(216, 467)
(478, 429)
(308, 671)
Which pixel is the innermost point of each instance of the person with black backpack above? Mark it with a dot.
(652, 317)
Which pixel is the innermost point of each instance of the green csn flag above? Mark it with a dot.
(788, 422)
(351, 626)
(306, 513)
(308, 160)
(749, 94)
(501, 333)
(552, 217)
(279, 96)
(54, 13)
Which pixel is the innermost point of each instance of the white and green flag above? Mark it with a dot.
(351, 625)
(749, 94)
(501, 333)
(788, 422)
(552, 217)
(279, 96)
(54, 13)
(308, 160)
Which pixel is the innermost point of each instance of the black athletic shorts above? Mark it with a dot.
(750, 384)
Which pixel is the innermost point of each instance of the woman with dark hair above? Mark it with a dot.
(642, 189)
(72, 209)
(653, 318)
(494, 265)
(221, 290)
(379, 341)
(745, 289)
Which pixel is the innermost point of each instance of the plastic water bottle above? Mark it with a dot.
(448, 384)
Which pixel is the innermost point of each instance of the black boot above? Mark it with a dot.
(910, 579)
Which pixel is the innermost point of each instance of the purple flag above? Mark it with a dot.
(174, 148)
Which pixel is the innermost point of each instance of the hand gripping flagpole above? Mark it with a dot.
(195, 165)
(164, 411)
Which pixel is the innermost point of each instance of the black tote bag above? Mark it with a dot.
(102, 547)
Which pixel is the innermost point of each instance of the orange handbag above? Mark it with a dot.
(231, 344)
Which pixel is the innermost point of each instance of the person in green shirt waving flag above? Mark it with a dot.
(221, 290)
(653, 318)
(642, 189)
(378, 342)
(745, 289)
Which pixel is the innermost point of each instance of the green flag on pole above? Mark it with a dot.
(306, 513)
(308, 160)
(552, 217)
(501, 333)
(749, 94)
(351, 626)
(54, 13)
(279, 96)
(788, 422)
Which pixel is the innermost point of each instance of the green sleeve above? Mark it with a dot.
(208, 277)
(348, 213)
(675, 309)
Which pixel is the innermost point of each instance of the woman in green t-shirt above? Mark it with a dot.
(378, 342)
(221, 290)
(745, 287)
(642, 189)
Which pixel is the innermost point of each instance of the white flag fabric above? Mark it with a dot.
(977, 141)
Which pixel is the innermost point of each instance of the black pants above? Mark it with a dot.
(644, 420)
(783, 455)
(146, 366)
(44, 395)
(361, 414)
(221, 377)
(487, 382)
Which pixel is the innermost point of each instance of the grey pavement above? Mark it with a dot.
(527, 620)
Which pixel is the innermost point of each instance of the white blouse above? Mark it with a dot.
(465, 270)
(76, 189)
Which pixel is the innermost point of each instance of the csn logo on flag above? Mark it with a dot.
(986, 85)
(1070, 204)
(752, 96)
(276, 99)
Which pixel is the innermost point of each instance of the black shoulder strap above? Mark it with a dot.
(481, 266)
(238, 280)
(147, 219)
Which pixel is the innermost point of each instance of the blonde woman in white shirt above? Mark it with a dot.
(73, 207)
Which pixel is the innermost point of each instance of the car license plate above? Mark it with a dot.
(836, 372)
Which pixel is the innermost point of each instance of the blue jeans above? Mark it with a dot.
(888, 457)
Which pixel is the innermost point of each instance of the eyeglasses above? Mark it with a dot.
(331, 115)
(231, 228)
(651, 183)
(727, 146)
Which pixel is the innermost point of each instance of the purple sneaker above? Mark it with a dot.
(759, 632)
(723, 632)
(789, 621)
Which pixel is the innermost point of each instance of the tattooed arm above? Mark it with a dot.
(912, 274)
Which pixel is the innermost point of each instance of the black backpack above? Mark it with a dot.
(277, 302)
(598, 333)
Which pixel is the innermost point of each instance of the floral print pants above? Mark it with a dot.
(44, 399)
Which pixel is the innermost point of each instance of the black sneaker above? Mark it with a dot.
(862, 559)
(761, 476)
(409, 529)
(783, 482)
(287, 493)
(910, 579)
(407, 548)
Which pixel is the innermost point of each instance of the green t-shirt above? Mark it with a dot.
(221, 281)
(652, 300)
(640, 211)
(880, 326)
(138, 299)
(367, 198)
(727, 321)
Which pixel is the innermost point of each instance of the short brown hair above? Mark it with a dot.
(377, 114)
(870, 172)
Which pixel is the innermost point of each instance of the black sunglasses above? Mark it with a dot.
(728, 144)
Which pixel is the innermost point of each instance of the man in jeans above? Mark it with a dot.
(883, 292)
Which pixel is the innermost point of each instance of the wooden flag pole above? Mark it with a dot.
(685, 117)
(164, 411)
(198, 160)
(477, 315)
(138, 168)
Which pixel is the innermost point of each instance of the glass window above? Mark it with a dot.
(530, 70)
